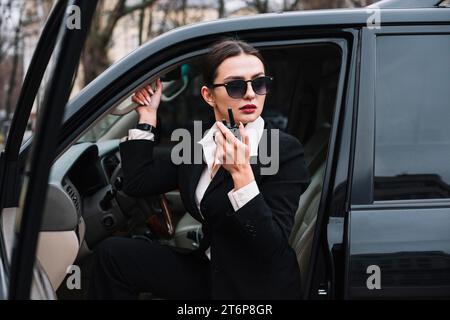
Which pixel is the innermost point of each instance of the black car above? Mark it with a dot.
(366, 91)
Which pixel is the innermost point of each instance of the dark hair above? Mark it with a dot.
(222, 50)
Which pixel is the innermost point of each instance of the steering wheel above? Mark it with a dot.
(155, 209)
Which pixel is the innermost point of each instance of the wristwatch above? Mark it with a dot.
(145, 127)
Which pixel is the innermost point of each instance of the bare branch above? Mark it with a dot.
(14, 66)
(141, 25)
(143, 4)
(166, 10)
(111, 21)
(261, 6)
(221, 8)
(295, 5)
(150, 23)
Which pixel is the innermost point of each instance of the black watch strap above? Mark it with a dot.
(145, 127)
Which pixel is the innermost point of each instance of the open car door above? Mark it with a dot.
(24, 169)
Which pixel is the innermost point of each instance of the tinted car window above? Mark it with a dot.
(412, 107)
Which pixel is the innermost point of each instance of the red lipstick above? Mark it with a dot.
(248, 108)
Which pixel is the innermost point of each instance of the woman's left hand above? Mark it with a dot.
(234, 155)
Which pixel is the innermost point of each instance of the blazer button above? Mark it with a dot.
(250, 228)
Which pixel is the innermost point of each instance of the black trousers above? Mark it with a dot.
(125, 267)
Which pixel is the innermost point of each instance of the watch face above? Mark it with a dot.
(144, 126)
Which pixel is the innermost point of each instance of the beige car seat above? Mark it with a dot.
(305, 219)
(302, 233)
(316, 150)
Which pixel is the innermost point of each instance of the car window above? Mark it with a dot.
(180, 105)
(100, 128)
(307, 76)
(188, 106)
(412, 115)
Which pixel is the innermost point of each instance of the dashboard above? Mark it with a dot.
(84, 196)
(78, 183)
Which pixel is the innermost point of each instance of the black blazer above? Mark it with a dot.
(250, 254)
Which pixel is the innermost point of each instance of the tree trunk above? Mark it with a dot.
(14, 69)
(184, 12)
(221, 8)
(150, 24)
(95, 54)
(5, 14)
(94, 59)
(141, 25)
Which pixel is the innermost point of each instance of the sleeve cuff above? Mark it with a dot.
(240, 197)
(136, 134)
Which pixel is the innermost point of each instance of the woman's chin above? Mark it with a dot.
(246, 118)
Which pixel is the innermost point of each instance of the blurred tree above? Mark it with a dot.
(5, 15)
(95, 54)
(141, 25)
(15, 62)
(221, 9)
(178, 13)
(264, 6)
(261, 6)
(169, 14)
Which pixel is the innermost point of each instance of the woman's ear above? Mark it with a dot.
(208, 96)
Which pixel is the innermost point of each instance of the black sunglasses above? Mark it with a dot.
(237, 89)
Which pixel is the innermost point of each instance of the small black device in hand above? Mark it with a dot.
(234, 128)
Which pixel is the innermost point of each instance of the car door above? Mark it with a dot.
(397, 231)
(323, 281)
(18, 267)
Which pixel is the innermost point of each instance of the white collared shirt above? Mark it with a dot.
(238, 198)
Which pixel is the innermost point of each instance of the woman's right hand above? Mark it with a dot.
(147, 99)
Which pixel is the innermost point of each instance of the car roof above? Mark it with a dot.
(324, 17)
(404, 4)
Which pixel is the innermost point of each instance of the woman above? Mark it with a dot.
(246, 216)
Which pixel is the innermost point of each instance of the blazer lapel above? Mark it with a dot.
(216, 181)
(256, 168)
(221, 179)
(193, 177)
